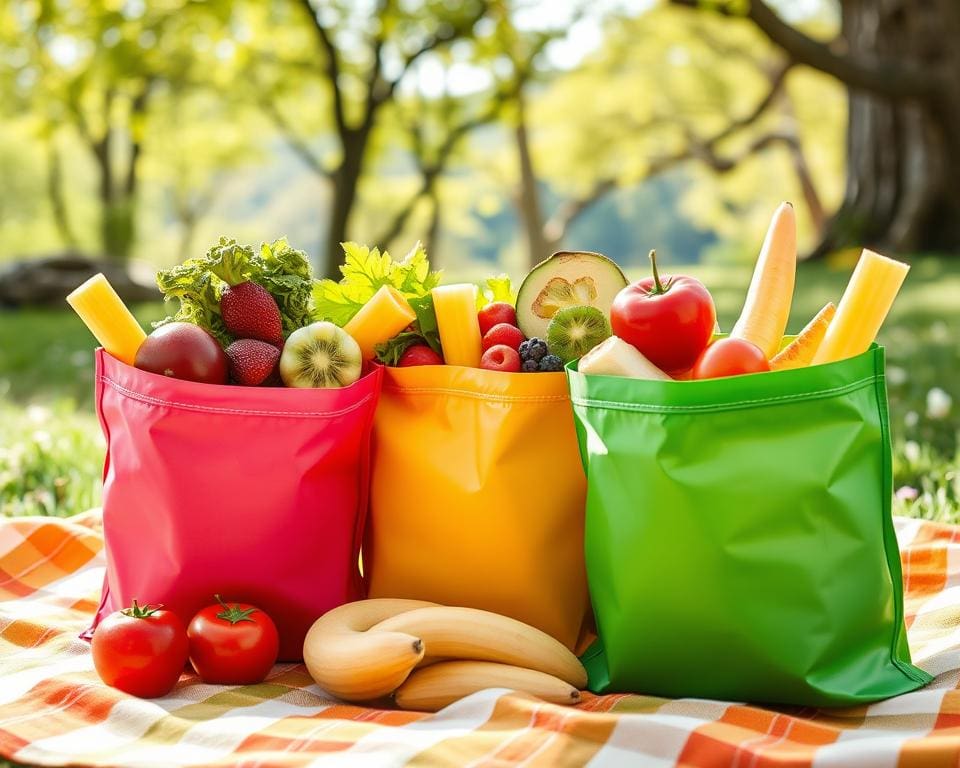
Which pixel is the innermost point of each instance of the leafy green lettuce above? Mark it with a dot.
(364, 271)
(199, 283)
(499, 288)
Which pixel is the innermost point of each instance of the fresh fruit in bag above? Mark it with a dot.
(801, 350)
(252, 362)
(614, 357)
(183, 351)
(763, 320)
(249, 312)
(140, 650)
(730, 357)
(574, 331)
(503, 333)
(494, 313)
(320, 355)
(233, 291)
(500, 357)
(669, 319)
(232, 644)
(419, 354)
(566, 279)
(533, 350)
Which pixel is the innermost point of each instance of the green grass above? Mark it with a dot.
(51, 450)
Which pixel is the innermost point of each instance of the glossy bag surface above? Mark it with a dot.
(477, 495)
(256, 493)
(739, 541)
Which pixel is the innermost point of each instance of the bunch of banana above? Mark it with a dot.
(427, 655)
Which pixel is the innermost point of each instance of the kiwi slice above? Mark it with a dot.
(320, 355)
(574, 331)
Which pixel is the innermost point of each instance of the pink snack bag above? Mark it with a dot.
(258, 494)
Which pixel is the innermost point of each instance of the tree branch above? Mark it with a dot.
(138, 108)
(896, 79)
(430, 170)
(332, 66)
(296, 143)
(558, 224)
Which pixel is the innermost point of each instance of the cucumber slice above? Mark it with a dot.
(566, 279)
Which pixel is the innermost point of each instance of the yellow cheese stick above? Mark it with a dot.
(863, 308)
(383, 317)
(108, 318)
(456, 308)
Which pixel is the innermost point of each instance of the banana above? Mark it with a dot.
(443, 683)
(353, 664)
(472, 634)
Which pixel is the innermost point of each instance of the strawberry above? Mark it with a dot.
(494, 313)
(250, 312)
(419, 354)
(501, 358)
(503, 333)
(252, 361)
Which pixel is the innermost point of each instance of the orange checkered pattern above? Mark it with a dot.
(55, 711)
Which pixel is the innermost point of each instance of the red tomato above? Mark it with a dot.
(232, 644)
(670, 320)
(140, 650)
(730, 357)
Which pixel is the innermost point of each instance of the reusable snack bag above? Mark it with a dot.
(477, 495)
(254, 493)
(739, 541)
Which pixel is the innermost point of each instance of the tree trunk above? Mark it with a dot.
(531, 212)
(433, 229)
(345, 181)
(58, 203)
(903, 156)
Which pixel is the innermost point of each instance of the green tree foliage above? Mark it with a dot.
(95, 68)
(149, 128)
(708, 98)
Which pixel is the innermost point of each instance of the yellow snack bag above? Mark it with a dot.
(477, 495)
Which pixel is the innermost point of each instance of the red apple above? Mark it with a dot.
(184, 351)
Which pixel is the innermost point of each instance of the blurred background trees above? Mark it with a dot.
(495, 130)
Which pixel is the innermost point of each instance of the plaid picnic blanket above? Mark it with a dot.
(55, 711)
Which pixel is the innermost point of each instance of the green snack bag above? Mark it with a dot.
(739, 543)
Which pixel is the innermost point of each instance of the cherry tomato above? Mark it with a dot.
(232, 644)
(140, 650)
(670, 320)
(730, 357)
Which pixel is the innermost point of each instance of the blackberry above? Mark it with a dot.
(530, 366)
(551, 363)
(533, 349)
